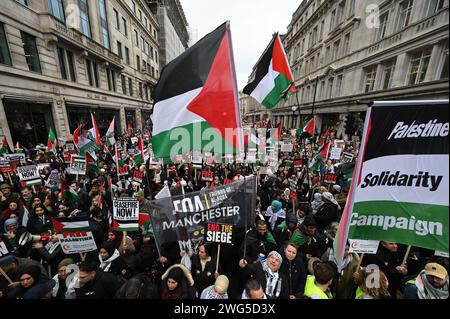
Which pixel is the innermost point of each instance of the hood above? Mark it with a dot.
(186, 272)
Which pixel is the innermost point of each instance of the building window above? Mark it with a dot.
(340, 12)
(388, 74)
(371, 74)
(71, 63)
(138, 63)
(116, 19)
(444, 64)
(434, 6)
(351, 8)
(146, 22)
(92, 72)
(381, 31)
(146, 49)
(141, 93)
(136, 38)
(322, 27)
(124, 26)
(24, 2)
(418, 66)
(5, 57)
(404, 14)
(140, 15)
(322, 88)
(146, 91)
(31, 52)
(142, 44)
(127, 56)
(333, 20)
(84, 18)
(62, 63)
(111, 77)
(119, 49)
(330, 88)
(56, 9)
(336, 46)
(346, 44)
(328, 54)
(152, 72)
(156, 56)
(130, 86)
(124, 84)
(133, 6)
(103, 23)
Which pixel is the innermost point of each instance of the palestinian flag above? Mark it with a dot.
(95, 133)
(70, 194)
(25, 217)
(52, 142)
(110, 133)
(139, 159)
(196, 92)
(121, 168)
(83, 143)
(119, 225)
(31, 182)
(275, 134)
(273, 78)
(5, 147)
(91, 165)
(308, 128)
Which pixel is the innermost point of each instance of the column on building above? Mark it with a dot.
(401, 69)
(4, 128)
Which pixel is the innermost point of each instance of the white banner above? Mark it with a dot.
(335, 153)
(360, 246)
(27, 173)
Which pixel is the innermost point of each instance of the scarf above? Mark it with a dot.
(171, 294)
(105, 265)
(51, 246)
(426, 291)
(273, 281)
(274, 216)
(208, 293)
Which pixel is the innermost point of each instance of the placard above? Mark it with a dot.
(441, 253)
(360, 246)
(74, 234)
(28, 172)
(125, 214)
(330, 178)
(207, 175)
(347, 157)
(287, 148)
(16, 157)
(218, 233)
(138, 177)
(335, 153)
(53, 179)
(5, 166)
(77, 165)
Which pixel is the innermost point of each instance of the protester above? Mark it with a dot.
(259, 243)
(94, 283)
(317, 285)
(371, 285)
(293, 269)
(218, 290)
(62, 289)
(431, 283)
(32, 286)
(178, 283)
(203, 268)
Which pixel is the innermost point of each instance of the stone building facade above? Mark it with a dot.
(60, 60)
(342, 51)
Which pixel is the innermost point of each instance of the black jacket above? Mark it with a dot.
(49, 259)
(257, 245)
(103, 286)
(256, 271)
(295, 274)
(327, 214)
(202, 278)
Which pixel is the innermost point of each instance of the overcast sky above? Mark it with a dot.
(252, 24)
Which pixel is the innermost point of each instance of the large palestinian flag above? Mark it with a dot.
(273, 78)
(399, 192)
(197, 95)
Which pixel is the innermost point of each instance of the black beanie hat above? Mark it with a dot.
(309, 221)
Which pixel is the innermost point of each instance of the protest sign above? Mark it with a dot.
(335, 153)
(29, 175)
(125, 214)
(207, 175)
(347, 157)
(298, 163)
(5, 247)
(441, 253)
(77, 165)
(330, 178)
(360, 246)
(138, 177)
(218, 233)
(184, 217)
(53, 179)
(74, 234)
(16, 157)
(5, 166)
(401, 194)
(287, 147)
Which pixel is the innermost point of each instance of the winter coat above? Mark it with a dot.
(295, 273)
(326, 214)
(50, 258)
(202, 278)
(258, 247)
(256, 271)
(140, 286)
(103, 286)
(187, 285)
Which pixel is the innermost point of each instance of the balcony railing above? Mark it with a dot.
(80, 40)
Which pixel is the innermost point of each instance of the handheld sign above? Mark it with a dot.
(330, 178)
(360, 246)
(126, 214)
(5, 167)
(16, 157)
(5, 247)
(335, 153)
(218, 233)
(74, 234)
(207, 176)
(298, 163)
(53, 179)
(121, 171)
(347, 157)
(138, 177)
(29, 175)
(77, 165)
(287, 148)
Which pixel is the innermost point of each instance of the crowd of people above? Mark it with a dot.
(286, 254)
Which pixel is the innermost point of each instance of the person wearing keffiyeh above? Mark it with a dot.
(267, 273)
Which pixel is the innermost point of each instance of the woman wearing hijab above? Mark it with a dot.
(178, 283)
(276, 214)
(39, 221)
(112, 262)
(31, 285)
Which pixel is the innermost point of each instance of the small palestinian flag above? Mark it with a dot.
(52, 142)
(308, 128)
(4, 147)
(31, 182)
(139, 159)
(273, 78)
(196, 92)
(120, 225)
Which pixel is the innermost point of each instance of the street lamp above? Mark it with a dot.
(294, 109)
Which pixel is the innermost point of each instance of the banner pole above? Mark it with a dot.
(10, 180)
(124, 240)
(406, 255)
(360, 261)
(218, 257)
(6, 276)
